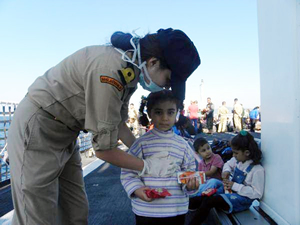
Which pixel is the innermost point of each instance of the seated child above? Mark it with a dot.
(162, 108)
(180, 127)
(246, 185)
(211, 164)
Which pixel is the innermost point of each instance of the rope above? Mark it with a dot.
(3, 149)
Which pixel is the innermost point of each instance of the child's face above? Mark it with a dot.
(205, 151)
(163, 115)
(240, 156)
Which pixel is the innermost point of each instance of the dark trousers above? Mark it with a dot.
(210, 123)
(194, 122)
(203, 205)
(252, 124)
(175, 220)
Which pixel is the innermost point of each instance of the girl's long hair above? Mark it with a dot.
(245, 141)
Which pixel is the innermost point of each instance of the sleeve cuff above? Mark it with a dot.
(106, 138)
(237, 187)
(131, 192)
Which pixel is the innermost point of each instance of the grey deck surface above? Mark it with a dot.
(224, 136)
(109, 204)
(6, 204)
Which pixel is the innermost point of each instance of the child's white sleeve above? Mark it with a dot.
(255, 188)
(188, 160)
(230, 165)
(189, 165)
(129, 178)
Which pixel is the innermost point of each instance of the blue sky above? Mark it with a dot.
(36, 35)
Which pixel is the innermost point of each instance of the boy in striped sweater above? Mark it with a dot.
(162, 108)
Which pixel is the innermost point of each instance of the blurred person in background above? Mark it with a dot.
(237, 115)
(222, 114)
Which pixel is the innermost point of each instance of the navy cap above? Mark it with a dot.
(181, 56)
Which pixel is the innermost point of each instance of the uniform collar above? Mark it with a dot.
(136, 79)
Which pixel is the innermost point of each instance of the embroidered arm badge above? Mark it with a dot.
(112, 81)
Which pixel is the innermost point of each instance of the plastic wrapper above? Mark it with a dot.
(157, 193)
(228, 191)
(183, 177)
(209, 192)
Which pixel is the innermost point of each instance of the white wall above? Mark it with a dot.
(279, 53)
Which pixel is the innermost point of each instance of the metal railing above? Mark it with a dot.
(5, 173)
(6, 116)
(85, 143)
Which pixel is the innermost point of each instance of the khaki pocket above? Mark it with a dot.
(44, 132)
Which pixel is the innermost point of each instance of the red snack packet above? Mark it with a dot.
(157, 193)
(209, 192)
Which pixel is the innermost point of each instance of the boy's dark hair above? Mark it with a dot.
(199, 143)
(153, 99)
(245, 141)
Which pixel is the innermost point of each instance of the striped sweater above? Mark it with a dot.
(179, 150)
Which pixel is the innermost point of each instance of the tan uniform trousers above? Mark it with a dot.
(46, 174)
(237, 122)
(223, 124)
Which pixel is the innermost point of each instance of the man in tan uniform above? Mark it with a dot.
(89, 90)
(237, 115)
(222, 113)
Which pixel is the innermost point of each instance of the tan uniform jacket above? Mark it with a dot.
(86, 91)
(223, 111)
(238, 109)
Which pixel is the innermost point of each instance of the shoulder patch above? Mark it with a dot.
(111, 81)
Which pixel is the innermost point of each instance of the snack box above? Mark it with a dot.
(182, 177)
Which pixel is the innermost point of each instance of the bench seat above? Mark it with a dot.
(248, 217)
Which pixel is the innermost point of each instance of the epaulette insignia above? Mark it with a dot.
(128, 74)
(112, 81)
